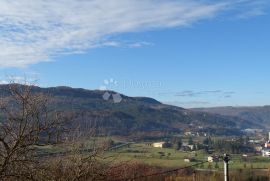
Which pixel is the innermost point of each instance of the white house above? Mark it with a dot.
(189, 146)
(186, 160)
(210, 159)
(158, 144)
(266, 152)
(189, 159)
(188, 133)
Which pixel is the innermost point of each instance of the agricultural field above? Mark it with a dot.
(169, 157)
(161, 157)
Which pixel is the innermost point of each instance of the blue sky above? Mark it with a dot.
(197, 53)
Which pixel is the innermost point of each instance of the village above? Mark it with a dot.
(191, 142)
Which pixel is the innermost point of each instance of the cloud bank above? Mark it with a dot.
(193, 94)
(40, 30)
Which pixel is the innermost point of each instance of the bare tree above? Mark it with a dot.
(28, 121)
(25, 121)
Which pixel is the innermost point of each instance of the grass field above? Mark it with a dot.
(168, 157)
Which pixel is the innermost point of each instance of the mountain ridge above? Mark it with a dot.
(256, 114)
(135, 114)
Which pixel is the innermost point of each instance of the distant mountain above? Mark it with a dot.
(134, 114)
(257, 115)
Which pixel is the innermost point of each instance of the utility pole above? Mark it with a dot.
(226, 160)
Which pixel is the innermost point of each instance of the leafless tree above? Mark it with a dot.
(28, 121)
(25, 121)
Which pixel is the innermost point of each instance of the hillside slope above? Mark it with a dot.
(257, 115)
(134, 114)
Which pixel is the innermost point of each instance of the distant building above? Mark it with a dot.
(266, 152)
(159, 144)
(189, 159)
(186, 160)
(191, 147)
(267, 143)
(266, 149)
(212, 159)
(255, 141)
(186, 146)
(188, 133)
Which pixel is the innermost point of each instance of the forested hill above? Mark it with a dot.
(257, 115)
(129, 115)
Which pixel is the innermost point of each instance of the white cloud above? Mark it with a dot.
(30, 78)
(3, 82)
(39, 30)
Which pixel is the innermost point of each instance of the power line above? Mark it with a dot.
(162, 173)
